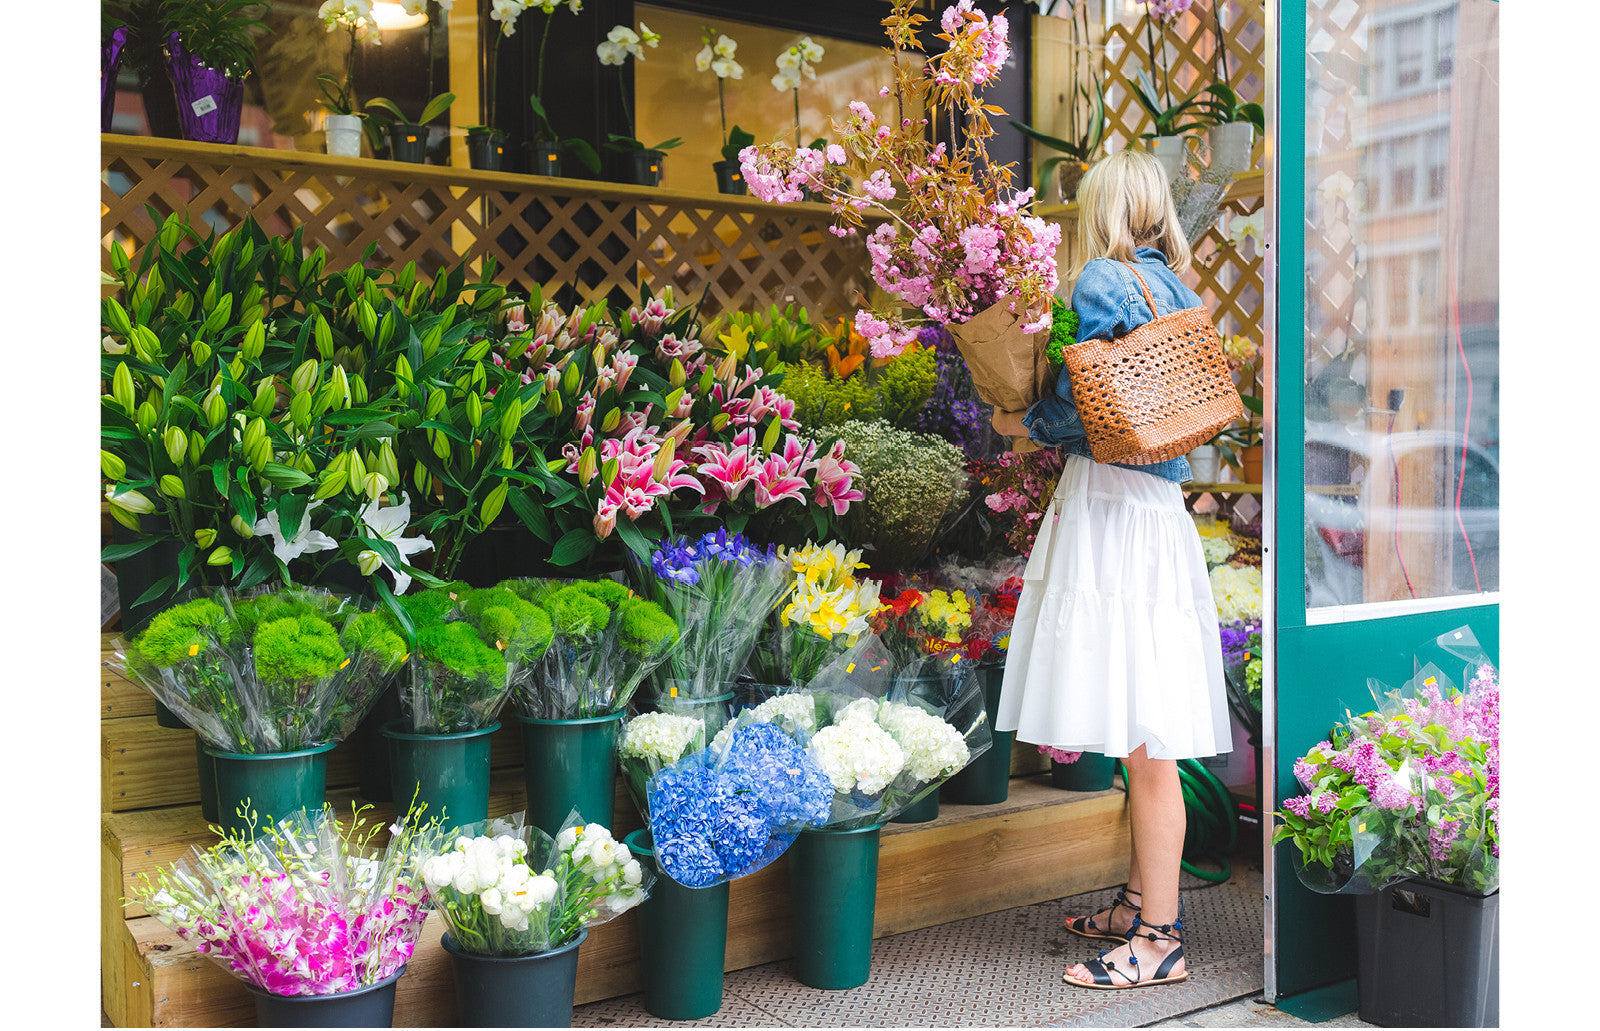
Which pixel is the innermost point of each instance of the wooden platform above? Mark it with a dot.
(1042, 843)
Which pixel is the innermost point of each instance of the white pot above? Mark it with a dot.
(1230, 146)
(344, 135)
(1206, 463)
(1169, 153)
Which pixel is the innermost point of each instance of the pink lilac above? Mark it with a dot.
(1441, 837)
(1300, 805)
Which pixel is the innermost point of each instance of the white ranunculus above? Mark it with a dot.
(490, 900)
(566, 838)
(632, 872)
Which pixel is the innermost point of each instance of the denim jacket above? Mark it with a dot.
(1110, 304)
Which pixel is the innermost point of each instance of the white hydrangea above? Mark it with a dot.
(933, 747)
(857, 754)
(793, 709)
(662, 737)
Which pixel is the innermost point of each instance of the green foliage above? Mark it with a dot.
(388, 111)
(221, 33)
(576, 612)
(894, 393)
(1063, 332)
(373, 634)
(1083, 147)
(292, 649)
(914, 485)
(737, 140)
(1210, 105)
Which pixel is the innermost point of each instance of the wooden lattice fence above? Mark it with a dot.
(579, 241)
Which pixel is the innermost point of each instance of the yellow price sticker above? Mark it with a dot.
(194, 649)
(501, 645)
(848, 669)
(1361, 827)
(673, 693)
(1430, 682)
(345, 663)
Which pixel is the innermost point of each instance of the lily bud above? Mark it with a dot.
(358, 388)
(474, 410)
(419, 478)
(171, 486)
(719, 422)
(664, 457)
(145, 418)
(436, 403)
(707, 378)
(117, 316)
(671, 401)
(373, 485)
(197, 444)
(323, 336)
(511, 418)
(266, 398)
(770, 440)
(676, 375)
(205, 538)
(441, 444)
(216, 410)
(304, 377)
(304, 463)
(609, 470)
(112, 467)
(366, 318)
(132, 501)
(255, 341)
(254, 430)
(478, 350)
(369, 562)
(260, 455)
(177, 444)
(122, 387)
(570, 380)
(386, 464)
(402, 376)
(220, 557)
(490, 510)
(242, 528)
(201, 351)
(588, 465)
(332, 483)
(300, 410)
(355, 466)
(552, 403)
(611, 421)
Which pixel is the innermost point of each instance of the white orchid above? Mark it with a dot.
(620, 43)
(1253, 226)
(718, 57)
(351, 15)
(506, 12)
(389, 524)
(305, 540)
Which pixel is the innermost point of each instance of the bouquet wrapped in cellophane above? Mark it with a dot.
(884, 740)
(308, 907)
(652, 741)
(1409, 789)
(718, 589)
(265, 670)
(824, 611)
(506, 888)
(472, 646)
(606, 641)
(992, 590)
(728, 810)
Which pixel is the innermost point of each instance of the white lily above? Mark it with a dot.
(305, 541)
(390, 524)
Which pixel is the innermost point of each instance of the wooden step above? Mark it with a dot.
(1041, 843)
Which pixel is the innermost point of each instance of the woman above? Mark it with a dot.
(1115, 648)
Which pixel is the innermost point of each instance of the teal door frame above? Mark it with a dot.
(1313, 671)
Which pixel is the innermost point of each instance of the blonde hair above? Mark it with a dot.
(1124, 202)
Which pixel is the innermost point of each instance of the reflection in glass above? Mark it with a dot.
(1402, 310)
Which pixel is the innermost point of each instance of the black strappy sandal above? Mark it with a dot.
(1084, 926)
(1103, 970)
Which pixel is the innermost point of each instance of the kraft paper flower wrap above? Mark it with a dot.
(1009, 366)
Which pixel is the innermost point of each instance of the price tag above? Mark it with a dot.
(204, 106)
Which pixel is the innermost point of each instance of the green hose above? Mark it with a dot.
(1212, 827)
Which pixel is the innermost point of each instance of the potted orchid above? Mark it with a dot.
(954, 246)
(717, 57)
(343, 122)
(316, 918)
(518, 904)
(644, 160)
(546, 145)
(795, 64)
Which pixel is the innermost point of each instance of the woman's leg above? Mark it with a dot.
(1155, 799)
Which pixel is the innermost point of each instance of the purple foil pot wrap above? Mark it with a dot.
(209, 103)
(110, 65)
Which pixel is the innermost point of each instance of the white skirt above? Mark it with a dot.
(1115, 643)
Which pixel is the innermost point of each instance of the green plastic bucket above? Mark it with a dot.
(1092, 772)
(206, 768)
(923, 810)
(567, 765)
(986, 780)
(683, 941)
(276, 784)
(448, 772)
(833, 883)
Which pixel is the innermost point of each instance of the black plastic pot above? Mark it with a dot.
(515, 991)
(1428, 955)
(372, 1006)
(729, 178)
(546, 158)
(647, 166)
(486, 150)
(408, 142)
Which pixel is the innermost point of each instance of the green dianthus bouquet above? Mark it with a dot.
(605, 641)
(472, 645)
(266, 670)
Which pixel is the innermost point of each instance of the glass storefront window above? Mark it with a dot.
(1402, 307)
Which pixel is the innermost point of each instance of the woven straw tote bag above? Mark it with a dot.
(1156, 393)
